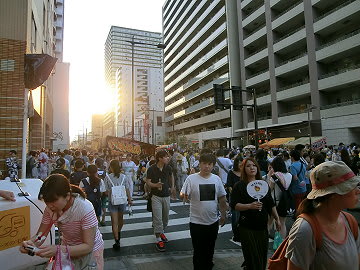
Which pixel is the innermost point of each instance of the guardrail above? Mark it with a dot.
(333, 10)
(346, 103)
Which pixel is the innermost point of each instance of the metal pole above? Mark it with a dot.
(309, 125)
(153, 127)
(255, 120)
(24, 134)
(132, 90)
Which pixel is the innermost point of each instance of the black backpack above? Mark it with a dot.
(286, 205)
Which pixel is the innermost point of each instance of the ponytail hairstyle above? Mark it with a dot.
(56, 186)
(308, 206)
(93, 177)
(115, 167)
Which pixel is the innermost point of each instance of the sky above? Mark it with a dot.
(87, 24)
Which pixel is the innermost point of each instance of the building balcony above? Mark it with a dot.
(291, 117)
(339, 78)
(174, 16)
(288, 14)
(174, 78)
(172, 49)
(258, 78)
(289, 39)
(255, 36)
(331, 20)
(292, 64)
(334, 49)
(210, 70)
(202, 90)
(256, 56)
(254, 16)
(261, 99)
(261, 123)
(217, 116)
(294, 92)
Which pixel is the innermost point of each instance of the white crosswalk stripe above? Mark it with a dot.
(137, 229)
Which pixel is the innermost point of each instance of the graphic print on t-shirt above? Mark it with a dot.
(207, 192)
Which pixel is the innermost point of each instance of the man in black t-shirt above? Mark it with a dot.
(160, 179)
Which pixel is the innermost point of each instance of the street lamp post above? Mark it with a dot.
(310, 108)
(133, 43)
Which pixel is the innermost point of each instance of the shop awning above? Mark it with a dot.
(275, 143)
(317, 142)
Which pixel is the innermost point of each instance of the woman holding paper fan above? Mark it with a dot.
(116, 178)
(252, 224)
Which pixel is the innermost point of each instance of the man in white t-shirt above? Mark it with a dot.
(224, 165)
(207, 196)
(129, 168)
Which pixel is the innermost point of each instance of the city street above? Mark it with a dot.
(138, 241)
(138, 249)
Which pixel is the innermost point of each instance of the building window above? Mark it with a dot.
(159, 121)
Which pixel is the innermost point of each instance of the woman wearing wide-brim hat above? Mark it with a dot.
(334, 188)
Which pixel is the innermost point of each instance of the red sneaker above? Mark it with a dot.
(160, 246)
(163, 238)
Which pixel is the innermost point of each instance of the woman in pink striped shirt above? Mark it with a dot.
(67, 208)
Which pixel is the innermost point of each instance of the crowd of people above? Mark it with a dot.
(322, 183)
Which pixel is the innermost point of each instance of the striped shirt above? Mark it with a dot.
(80, 216)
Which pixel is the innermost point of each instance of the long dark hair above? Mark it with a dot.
(55, 186)
(244, 176)
(92, 173)
(115, 167)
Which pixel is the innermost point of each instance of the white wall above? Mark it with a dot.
(61, 106)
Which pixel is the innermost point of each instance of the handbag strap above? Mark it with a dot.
(277, 181)
(221, 165)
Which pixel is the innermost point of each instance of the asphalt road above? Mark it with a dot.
(137, 235)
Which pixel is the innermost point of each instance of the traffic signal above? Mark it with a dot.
(236, 98)
(219, 98)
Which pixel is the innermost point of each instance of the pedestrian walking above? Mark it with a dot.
(207, 194)
(116, 178)
(298, 171)
(252, 225)
(93, 187)
(129, 168)
(335, 187)
(160, 179)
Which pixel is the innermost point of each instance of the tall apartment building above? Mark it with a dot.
(25, 27)
(131, 52)
(195, 58)
(61, 137)
(300, 56)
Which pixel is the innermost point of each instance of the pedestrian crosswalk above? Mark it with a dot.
(137, 230)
